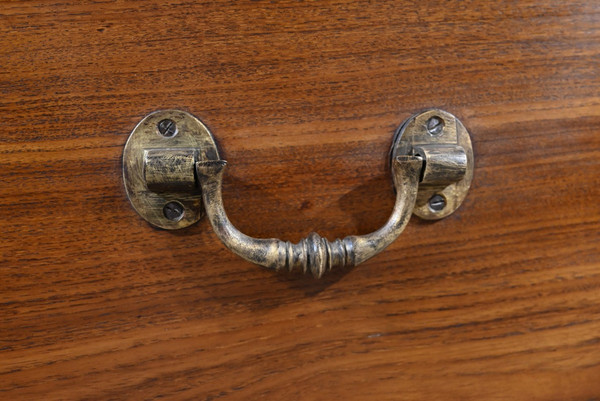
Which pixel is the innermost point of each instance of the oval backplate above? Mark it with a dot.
(414, 132)
(190, 133)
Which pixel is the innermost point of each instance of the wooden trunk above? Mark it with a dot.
(500, 300)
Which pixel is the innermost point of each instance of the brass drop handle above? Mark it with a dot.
(313, 253)
(172, 168)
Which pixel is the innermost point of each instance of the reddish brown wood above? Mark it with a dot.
(499, 301)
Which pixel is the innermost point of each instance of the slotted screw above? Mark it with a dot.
(437, 203)
(173, 211)
(435, 126)
(167, 128)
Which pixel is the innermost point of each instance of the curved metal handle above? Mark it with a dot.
(313, 253)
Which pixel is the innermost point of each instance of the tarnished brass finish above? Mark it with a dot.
(171, 166)
(444, 143)
(314, 253)
(444, 164)
(170, 169)
(158, 167)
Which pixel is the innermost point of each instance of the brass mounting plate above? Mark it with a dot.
(181, 132)
(436, 127)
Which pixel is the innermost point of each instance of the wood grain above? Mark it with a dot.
(499, 301)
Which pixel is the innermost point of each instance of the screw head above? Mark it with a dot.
(435, 126)
(167, 128)
(173, 211)
(437, 203)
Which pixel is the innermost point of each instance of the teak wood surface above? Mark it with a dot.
(501, 300)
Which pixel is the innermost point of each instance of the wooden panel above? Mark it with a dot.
(499, 301)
